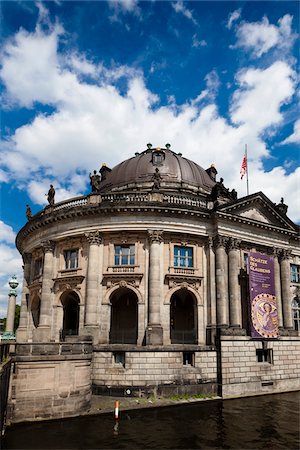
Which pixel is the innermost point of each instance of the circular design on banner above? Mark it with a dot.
(264, 315)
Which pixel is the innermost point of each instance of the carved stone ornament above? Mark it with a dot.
(155, 235)
(48, 246)
(233, 244)
(183, 281)
(220, 241)
(122, 280)
(285, 254)
(274, 251)
(67, 283)
(94, 237)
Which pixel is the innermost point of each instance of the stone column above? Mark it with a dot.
(285, 290)
(21, 333)
(235, 310)
(43, 330)
(211, 290)
(222, 281)
(277, 284)
(92, 283)
(154, 332)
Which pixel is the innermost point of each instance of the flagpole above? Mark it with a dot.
(246, 153)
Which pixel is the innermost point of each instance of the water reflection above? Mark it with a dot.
(250, 423)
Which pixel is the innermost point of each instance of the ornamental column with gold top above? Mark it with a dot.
(92, 283)
(154, 332)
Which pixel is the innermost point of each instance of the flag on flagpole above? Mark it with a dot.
(244, 166)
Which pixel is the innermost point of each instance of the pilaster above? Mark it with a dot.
(235, 310)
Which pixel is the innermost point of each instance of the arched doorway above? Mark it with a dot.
(35, 311)
(124, 317)
(183, 314)
(70, 302)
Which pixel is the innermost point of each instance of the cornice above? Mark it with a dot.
(255, 223)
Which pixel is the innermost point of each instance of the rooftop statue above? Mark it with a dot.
(95, 180)
(156, 180)
(51, 195)
(28, 212)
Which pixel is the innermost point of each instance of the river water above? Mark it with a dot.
(264, 422)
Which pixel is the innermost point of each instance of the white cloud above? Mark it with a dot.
(294, 138)
(233, 17)
(198, 43)
(121, 7)
(260, 37)
(6, 232)
(94, 122)
(179, 7)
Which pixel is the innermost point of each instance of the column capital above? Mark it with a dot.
(220, 241)
(94, 237)
(48, 246)
(155, 236)
(233, 244)
(275, 252)
(285, 254)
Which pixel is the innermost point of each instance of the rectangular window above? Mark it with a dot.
(183, 256)
(71, 259)
(38, 267)
(295, 273)
(124, 255)
(188, 358)
(264, 355)
(119, 358)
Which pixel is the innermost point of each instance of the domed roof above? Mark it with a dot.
(174, 171)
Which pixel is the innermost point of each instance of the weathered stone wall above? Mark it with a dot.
(50, 381)
(150, 368)
(243, 375)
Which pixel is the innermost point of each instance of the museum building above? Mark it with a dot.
(144, 286)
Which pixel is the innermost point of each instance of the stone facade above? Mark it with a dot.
(156, 278)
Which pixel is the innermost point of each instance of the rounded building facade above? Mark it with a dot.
(144, 284)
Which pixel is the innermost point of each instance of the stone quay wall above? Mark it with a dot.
(244, 375)
(50, 381)
(154, 370)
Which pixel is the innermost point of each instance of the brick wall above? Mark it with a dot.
(243, 375)
(52, 385)
(153, 368)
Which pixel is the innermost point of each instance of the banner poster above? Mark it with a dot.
(264, 315)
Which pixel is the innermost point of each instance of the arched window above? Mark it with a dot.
(124, 317)
(296, 313)
(70, 302)
(183, 312)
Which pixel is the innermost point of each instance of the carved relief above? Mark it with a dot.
(122, 280)
(48, 246)
(94, 237)
(233, 244)
(285, 254)
(155, 235)
(220, 241)
(67, 283)
(183, 281)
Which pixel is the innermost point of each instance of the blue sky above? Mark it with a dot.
(84, 83)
